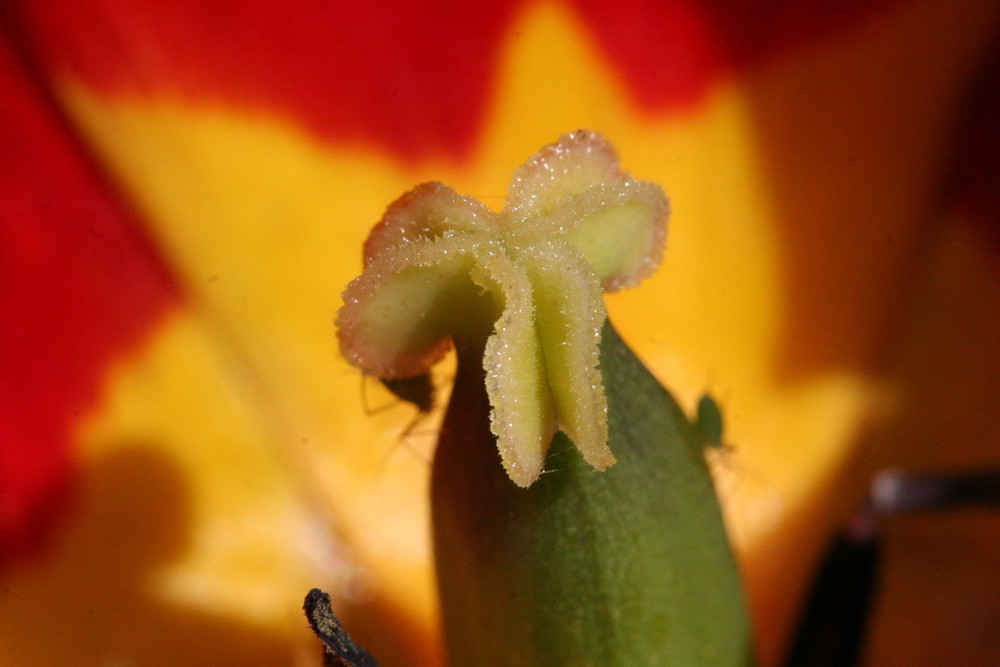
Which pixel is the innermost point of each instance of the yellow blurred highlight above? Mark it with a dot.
(182, 397)
(186, 521)
(265, 228)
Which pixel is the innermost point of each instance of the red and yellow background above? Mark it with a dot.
(184, 190)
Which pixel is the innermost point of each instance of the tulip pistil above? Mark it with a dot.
(522, 287)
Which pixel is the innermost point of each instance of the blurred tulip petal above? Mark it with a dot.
(80, 288)
(185, 189)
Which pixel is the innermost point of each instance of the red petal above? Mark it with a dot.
(413, 76)
(79, 286)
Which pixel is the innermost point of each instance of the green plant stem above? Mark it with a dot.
(630, 566)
